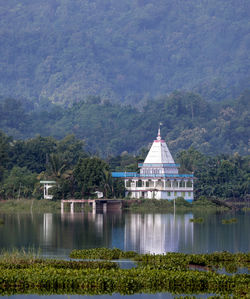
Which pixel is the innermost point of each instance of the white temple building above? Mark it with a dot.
(158, 177)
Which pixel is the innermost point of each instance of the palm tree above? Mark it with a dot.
(57, 167)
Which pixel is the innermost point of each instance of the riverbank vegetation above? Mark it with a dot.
(29, 206)
(130, 205)
(171, 272)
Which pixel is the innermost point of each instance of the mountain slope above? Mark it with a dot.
(126, 50)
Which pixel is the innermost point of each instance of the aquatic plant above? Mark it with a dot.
(17, 255)
(102, 281)
(197, 220)
(229, 221)
(168, 272)
(102, 253)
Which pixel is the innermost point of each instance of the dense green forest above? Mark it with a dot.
(109, 129)
(123, 50)
(79, 175)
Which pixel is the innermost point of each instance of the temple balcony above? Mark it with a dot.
(138, 175)
(184, 189)
(158, 165)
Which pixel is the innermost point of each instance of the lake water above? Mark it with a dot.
(55, 235)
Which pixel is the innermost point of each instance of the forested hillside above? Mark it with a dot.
(110, 129)
(123, 50)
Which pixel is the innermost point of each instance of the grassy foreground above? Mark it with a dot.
(171, 272)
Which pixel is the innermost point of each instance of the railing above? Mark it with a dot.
(144, 188)
(138, 175)
(158, 165)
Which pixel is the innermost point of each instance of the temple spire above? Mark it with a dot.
(159, 134)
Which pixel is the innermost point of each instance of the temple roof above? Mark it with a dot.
(159, 152)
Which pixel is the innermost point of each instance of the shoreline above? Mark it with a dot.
(129, 205)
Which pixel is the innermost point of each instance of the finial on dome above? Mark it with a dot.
(159, 132)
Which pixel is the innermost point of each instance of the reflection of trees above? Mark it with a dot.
(213, 235)
(53, 234)
(151, 232)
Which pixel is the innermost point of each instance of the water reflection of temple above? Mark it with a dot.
(158, 233)
(47, 228)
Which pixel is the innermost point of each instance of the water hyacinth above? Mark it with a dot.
(196, 220)
(229, 221)
(102, 254)
(168, 272)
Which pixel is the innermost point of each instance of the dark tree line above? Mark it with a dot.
(80, 175)
(25, 163)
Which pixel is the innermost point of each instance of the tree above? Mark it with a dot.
(92, 174)
(19, 183)
(4, 153)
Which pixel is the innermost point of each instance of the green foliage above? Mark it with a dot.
(129, 52)
(19, 183)
(91, 175)
(194, 128)
(25, 206)
(197, 220)
(102, 254)
(155, 273)
(113, 129)
(4, 153)
(222, 176)
(229, 221)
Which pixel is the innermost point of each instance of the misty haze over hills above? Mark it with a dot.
(123, 50)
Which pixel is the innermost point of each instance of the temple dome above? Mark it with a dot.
(159, 152)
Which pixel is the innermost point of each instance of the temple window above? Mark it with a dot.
(151, 183)
(128, 183)
(175, 184)
(189, 184)
(182, 184)
(159, 183)
(139, 183)
(168, 184)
